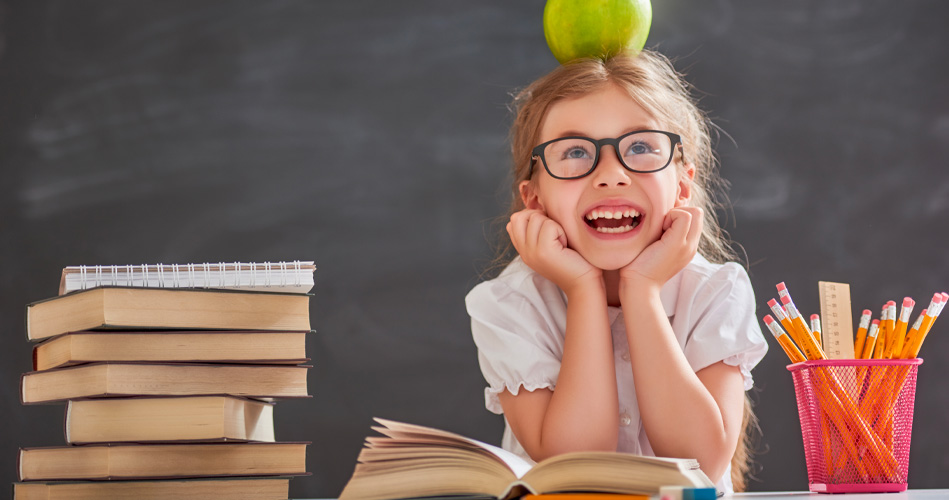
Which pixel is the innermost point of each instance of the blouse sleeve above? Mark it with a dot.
(724, 326)
(517, 339)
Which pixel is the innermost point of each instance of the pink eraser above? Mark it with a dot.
(781, 286)
(891, 303)
(945, 296)
(866, 312)
(908, 302)
(875, 322)
(772, 303)
(785, 300)
(815, 316)
(768, 319)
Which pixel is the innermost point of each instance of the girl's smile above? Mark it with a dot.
(614, 218)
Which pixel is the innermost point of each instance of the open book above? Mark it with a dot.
(411, 461)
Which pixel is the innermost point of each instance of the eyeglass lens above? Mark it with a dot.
(640, 151)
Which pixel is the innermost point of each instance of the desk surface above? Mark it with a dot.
(790, 495)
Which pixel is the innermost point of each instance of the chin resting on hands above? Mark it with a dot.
(661, 260)
(542, 244)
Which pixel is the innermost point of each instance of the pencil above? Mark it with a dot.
(925, 320)
(862, 333)
(913, 333)
(899, 336)
(811, 349)
(815, 329)
(881, 335)
(927, 325)
(890, 327)
(786, 343)
(784, 319)
(871, 340)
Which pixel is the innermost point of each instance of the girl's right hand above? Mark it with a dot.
(542, 245)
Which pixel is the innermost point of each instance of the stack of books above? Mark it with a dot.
(169, 375)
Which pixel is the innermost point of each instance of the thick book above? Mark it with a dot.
(144, 461)
(133, 308)
(288, 277)
(267, 488)
(141, 420)
(203, 346)
(156, 379)
(410, 461)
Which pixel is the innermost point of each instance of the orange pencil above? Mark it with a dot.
(927, 325)
(786, 343)
(862, 333)
(871, 340)
(923, 322)
(811, 349)
(890, 326)
(783, 291)
(881, 335)
(815, 329)
(784, 319)
(899, 336)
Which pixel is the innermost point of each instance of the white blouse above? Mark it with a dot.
(518, 322)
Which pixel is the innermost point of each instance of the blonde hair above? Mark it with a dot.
(651, 81)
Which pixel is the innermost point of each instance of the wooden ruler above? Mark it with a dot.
(836, 320)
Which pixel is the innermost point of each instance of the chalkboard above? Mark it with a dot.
(371, 137)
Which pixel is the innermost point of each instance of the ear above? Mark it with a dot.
(684, 189)
(529, 195)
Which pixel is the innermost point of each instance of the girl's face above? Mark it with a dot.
(581, 206)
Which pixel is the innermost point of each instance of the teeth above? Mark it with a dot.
(615, 230)
(609, 214)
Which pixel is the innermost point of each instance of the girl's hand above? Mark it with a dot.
(660, 261)
(542, 244)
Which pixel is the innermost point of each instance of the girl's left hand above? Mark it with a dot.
(660, 261)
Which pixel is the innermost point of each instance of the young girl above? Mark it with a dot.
(619, 326)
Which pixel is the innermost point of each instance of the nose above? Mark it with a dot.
(609, 172)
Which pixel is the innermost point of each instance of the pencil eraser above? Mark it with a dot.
(698, 494)
(773, 303)
(890, 303)
(908, 302)
(785, 299)
(867, 312)
(815, 316)
(782, 287)
(875, 322)
(945, 296)
(768, 319)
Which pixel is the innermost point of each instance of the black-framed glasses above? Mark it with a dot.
(642, 151)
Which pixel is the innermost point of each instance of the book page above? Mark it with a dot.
(518, 465)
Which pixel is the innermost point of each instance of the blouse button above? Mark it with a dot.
(624, 419)
(625, 356)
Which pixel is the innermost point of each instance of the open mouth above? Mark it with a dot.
(613, 221)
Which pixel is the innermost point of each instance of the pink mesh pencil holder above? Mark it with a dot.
(856, 421)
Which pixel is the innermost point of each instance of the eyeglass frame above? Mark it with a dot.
(538, 152)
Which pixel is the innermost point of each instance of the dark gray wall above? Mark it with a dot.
(369, 136)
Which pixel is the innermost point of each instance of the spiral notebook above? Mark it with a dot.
(284, 277)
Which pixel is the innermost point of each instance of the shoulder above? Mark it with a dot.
(703, 285)
(702, 278)
(517, 283)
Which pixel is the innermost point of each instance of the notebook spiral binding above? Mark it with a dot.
(206, 275)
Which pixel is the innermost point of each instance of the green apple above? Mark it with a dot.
(595, 28)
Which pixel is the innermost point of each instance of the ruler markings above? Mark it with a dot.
(836, 320)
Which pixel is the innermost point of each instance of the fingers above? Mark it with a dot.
(684, 225)
(531, 230)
